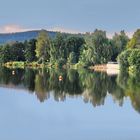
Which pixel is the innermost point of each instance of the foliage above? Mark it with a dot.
(57, 50)
(43, 45)
(135, 41)
(102, 48)
(123, 58)
(134, 59)
(73, 46)
(130, 59)
(12, 52)
(66, 48)
(79, 50)
(30, 47)
(119, 42)
(97, 50)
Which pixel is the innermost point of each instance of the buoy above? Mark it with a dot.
(13, 72)
(60, 78)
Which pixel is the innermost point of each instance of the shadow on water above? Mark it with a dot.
(93, 87)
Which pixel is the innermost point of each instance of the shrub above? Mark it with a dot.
(134, 59)
(123, 58)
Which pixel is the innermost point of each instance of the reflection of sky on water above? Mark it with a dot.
(23, 117)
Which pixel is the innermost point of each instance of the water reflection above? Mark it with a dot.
(93, 87)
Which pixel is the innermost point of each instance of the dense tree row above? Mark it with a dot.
(130, 58)
(18, 51)
(88, 49)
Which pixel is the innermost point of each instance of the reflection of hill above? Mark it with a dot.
(92, 87)
(11, 86)
(18, 88)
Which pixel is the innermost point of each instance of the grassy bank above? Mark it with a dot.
(21, 64)
(17, 64)
(36, 65)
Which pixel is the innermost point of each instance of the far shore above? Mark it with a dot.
(110, 69)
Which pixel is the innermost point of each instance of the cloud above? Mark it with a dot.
(64, 30)
(12, 28)
(130, 34)
(111, 34)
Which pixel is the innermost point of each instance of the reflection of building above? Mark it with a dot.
(112, 68)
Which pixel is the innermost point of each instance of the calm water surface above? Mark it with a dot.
(68, 105)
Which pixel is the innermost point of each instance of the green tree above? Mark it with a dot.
(97, 49)
(134, 59)
(17, 50)
(5, 54)
(123, 58)
(135, 41)
(119, 42)
(74, 44)
(30, 47)
(130, 59)
(43, 45)
(57, 50)
(12, 52)
(87, 56)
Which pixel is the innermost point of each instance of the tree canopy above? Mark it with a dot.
(68, 49)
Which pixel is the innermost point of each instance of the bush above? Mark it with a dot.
(134, 59)
(130, 59)
(123, 58)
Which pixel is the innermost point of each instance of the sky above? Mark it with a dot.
(69, 15)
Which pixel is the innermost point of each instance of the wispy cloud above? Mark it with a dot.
(65, 30)
(12, 28)
(130, 34)
(111, 34)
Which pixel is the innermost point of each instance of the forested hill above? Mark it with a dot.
(21, 36)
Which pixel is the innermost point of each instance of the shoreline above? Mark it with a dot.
(110, 69)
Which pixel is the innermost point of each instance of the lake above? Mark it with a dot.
(58, 104)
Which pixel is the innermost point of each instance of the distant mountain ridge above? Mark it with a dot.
(21, 36)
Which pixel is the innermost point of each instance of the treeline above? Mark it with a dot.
(129, 59)
(83, 50)
(18, 51)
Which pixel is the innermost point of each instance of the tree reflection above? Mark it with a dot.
(131, 86)
(93, 87)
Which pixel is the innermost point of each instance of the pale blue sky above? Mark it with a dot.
(80, 15)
